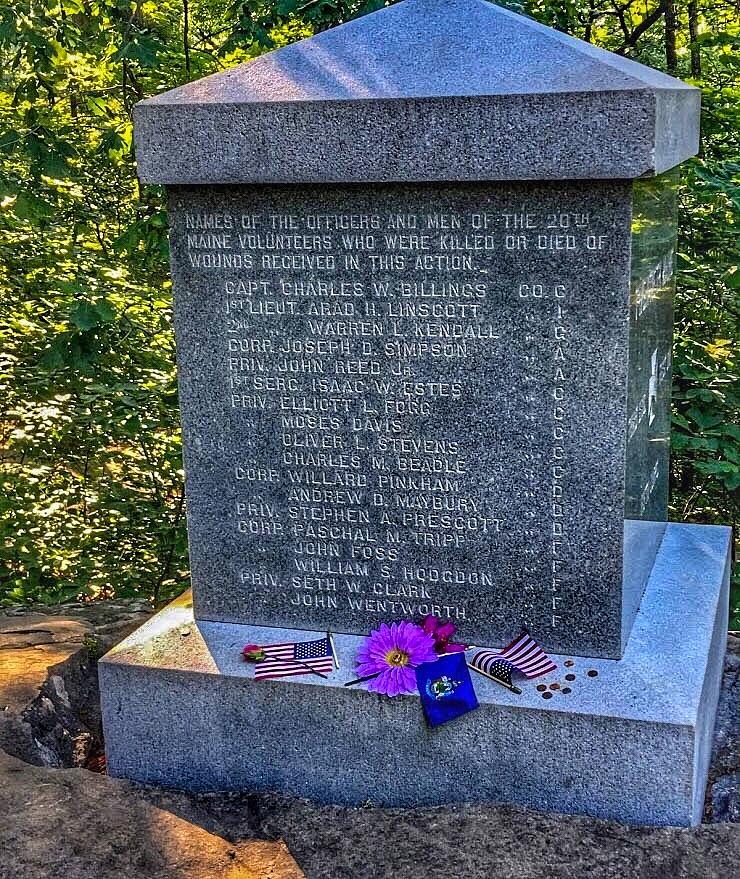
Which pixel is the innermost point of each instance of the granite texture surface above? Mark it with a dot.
(632, 742)
(419, 399)
(399, 96)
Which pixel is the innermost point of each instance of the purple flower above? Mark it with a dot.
(394, 651)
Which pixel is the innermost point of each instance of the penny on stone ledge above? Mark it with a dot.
(569, 663)
(555, 686)
(547, 695)
(570, 677)
(566, 690)
(541, 687)
(592, 673)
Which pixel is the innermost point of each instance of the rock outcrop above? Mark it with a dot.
(75, 824)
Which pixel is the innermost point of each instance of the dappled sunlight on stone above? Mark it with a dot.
(168, 635)
(88, 825)
(191, 853)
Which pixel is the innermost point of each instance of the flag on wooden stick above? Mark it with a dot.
(524, 655)
(296, 658)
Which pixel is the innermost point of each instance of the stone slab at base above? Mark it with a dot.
(181, 709)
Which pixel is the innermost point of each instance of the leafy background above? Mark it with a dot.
(91, 499)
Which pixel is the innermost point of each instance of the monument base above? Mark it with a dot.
(631, 740)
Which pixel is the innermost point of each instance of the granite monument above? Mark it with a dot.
(423, 268)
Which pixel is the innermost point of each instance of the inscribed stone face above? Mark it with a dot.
(408, 399)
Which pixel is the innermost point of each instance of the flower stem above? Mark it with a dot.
(362, 680)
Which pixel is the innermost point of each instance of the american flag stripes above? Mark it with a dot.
(524, 654)
(285, 660)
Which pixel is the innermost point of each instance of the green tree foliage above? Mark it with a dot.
(91, 499)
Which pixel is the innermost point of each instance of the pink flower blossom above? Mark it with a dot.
(441, 632)
(253, 653)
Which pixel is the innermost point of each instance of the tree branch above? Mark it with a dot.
(645, 25)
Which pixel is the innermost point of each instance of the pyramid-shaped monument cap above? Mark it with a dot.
(423, 90)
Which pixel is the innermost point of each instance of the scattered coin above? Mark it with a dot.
(541, 687)
(592, 673)
(566, 690)
(569, 663)
(570, 677)
(555, 686)
(547, 695)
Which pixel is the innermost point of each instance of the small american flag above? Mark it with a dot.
(523, 654)
(499, 669)
(284, 660)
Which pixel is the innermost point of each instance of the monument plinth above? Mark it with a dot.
(423, 272)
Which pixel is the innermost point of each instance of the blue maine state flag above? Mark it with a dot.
(445, 688)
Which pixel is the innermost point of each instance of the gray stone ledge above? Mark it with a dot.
(181, 709)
